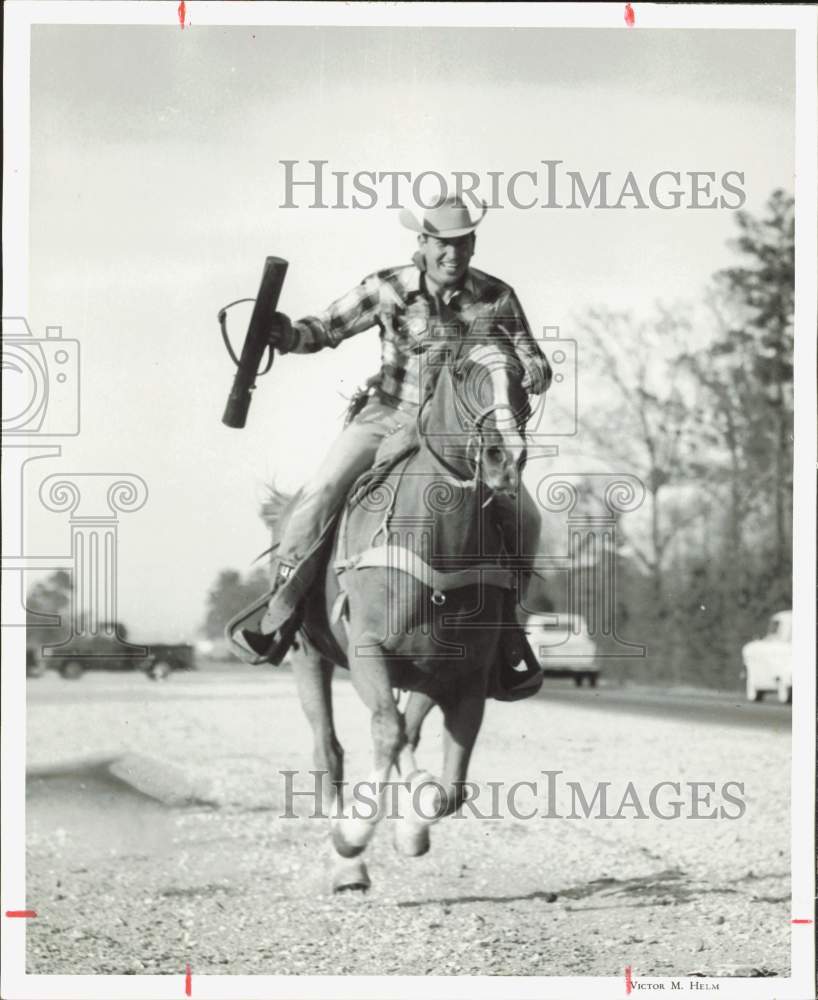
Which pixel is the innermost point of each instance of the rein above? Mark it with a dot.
(475, 435)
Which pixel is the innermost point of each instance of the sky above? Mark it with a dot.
(155, 196)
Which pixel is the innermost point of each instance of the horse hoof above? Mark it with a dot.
(346, 847)
(350, 875)
(413, 841)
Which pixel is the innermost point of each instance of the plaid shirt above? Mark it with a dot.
(397, 302)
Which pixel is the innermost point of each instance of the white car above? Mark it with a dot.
(562, 645)
(768, 661)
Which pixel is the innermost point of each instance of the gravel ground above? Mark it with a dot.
(155, 840)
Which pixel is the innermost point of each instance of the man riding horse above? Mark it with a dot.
(439, 290)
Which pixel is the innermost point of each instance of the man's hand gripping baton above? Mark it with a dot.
(258, 340)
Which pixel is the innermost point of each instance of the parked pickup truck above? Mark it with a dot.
(101, 654)
(768, 661)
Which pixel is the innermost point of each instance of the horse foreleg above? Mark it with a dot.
(462, 718)
(370, 677)
(412, 838)
(313, 679)
(431, 799)
(417, 708)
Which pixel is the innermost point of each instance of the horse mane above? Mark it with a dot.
(273, 506)
(449, 361)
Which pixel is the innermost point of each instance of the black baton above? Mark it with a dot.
(255, 343)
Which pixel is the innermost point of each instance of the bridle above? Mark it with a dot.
(476, 419)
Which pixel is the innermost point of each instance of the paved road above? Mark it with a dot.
(156, 837)
(719, 709)
(715, 708)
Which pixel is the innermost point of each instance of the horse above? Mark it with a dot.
(413, 595)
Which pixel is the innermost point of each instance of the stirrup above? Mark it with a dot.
(509, 683)
(247, 639)
(515, 685)
(272, 647)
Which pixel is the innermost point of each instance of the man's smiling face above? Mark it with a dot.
(446, 259)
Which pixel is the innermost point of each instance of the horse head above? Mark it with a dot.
(474, 412)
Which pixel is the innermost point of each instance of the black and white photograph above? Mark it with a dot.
(409, 460)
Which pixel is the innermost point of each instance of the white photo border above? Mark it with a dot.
(19, 16)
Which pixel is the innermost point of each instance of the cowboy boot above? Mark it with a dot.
(272, 642)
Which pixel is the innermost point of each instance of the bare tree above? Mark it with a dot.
(708, 428)
(645, 422)
(229, 594)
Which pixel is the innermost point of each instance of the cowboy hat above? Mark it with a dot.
(448, 219)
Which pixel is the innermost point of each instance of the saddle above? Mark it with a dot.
(285, 613)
